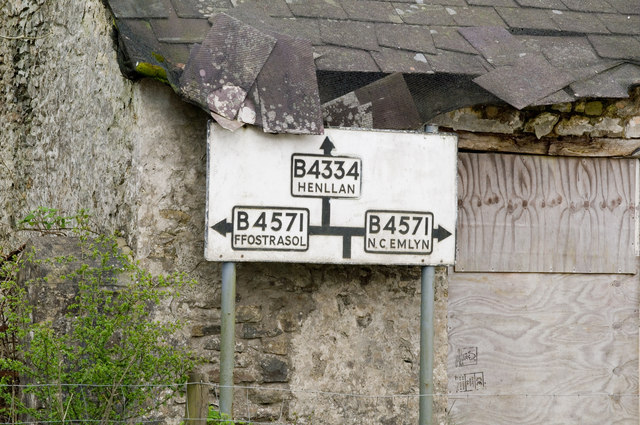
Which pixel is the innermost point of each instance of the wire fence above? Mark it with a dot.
(278, 405)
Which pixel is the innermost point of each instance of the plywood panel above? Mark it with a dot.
(543, 349)
(545, 214)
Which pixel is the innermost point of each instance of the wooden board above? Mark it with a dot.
(546, 214)
(532, 349)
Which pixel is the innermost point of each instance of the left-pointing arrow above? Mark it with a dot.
(223, 227)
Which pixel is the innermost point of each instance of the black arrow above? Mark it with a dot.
(223, 227)
(327, 146)
(441, 233)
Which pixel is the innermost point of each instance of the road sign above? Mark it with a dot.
(348, 196)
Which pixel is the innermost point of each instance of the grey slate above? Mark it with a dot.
(317, 9)
(613, 83)
(176, 30)
(300, 27)
(456, 63)
(361, 35)
(530, 79)
(140, 8)
(625, 6)
(589, 5)
(394, 60)
(616, 46)
(477, 17)
(564, 52)
(448, 38)
(374, 11)
(578, 22)
(407, 37)
(621, 24)
(495, 44)
(334, 58)
(423, 14)
(561, 96)
(199, 8)
(536, 19)
(544, 4)
(505, 3)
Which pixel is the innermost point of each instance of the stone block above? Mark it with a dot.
(542, 124)
(248, 314)
(267, 395)
(274, 370)
(632, 129)
(277, 345)
(252, 332)
(574, 126)
(204, 330)
(593, 108)
(214, 344)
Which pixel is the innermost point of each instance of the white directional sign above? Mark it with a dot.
(353, 197)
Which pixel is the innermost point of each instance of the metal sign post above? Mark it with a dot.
(227, 337)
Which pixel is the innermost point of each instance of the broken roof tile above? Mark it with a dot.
(495, 44)
(564, 52)
(505, 3)
(374, 11)
(544, 4)
(407, 37)
(534, 19)
(334, 58)
(589, 5)
(476, 17)
(199, 8)
(177, 53)
(223, 69)
(347, 111)
(561, 96)
(394, 60)
(577, 22)
(456, 63)
(300, 27)
(616, 46)
(288, 90)
(621, 24)
(424, 14)
(140, 8)
(531, 78)
(448, 38)
(360, 35)
(625, 6)
(614, 83)
(176, 30)
(327, 9)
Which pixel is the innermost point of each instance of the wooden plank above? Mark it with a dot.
(533, 349)
(581, 146)
(545, 214)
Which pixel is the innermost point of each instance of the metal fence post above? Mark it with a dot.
(227, 337)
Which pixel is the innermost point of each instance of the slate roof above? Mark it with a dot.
(269, 62)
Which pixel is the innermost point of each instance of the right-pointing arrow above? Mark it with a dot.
(223, 227)
(441, 233)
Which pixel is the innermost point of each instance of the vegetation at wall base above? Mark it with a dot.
(108, 360)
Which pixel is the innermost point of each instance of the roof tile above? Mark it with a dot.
(408, 37)
(394, 60)
(440, 2)
(477, 17)
(140, 8)
(561, 96)
(375, 11)
(199, 8)
(177, 30)
(448, 38)
(333, 58)
(621, 24)
(589, 5)
(543, 4)
(495, 44)
(536, 19)
(300, 27)
(577, 22)
(360, 35)
(531, 78)
(615, 82)
(616, 46)
(505, 3)
(564, 52)
(456, 63)
(625, 6)
(419, 14)
(317, 9)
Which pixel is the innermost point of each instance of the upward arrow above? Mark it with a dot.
(327, 146)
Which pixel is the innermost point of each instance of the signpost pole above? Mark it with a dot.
(227, 338)
(426, 345)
